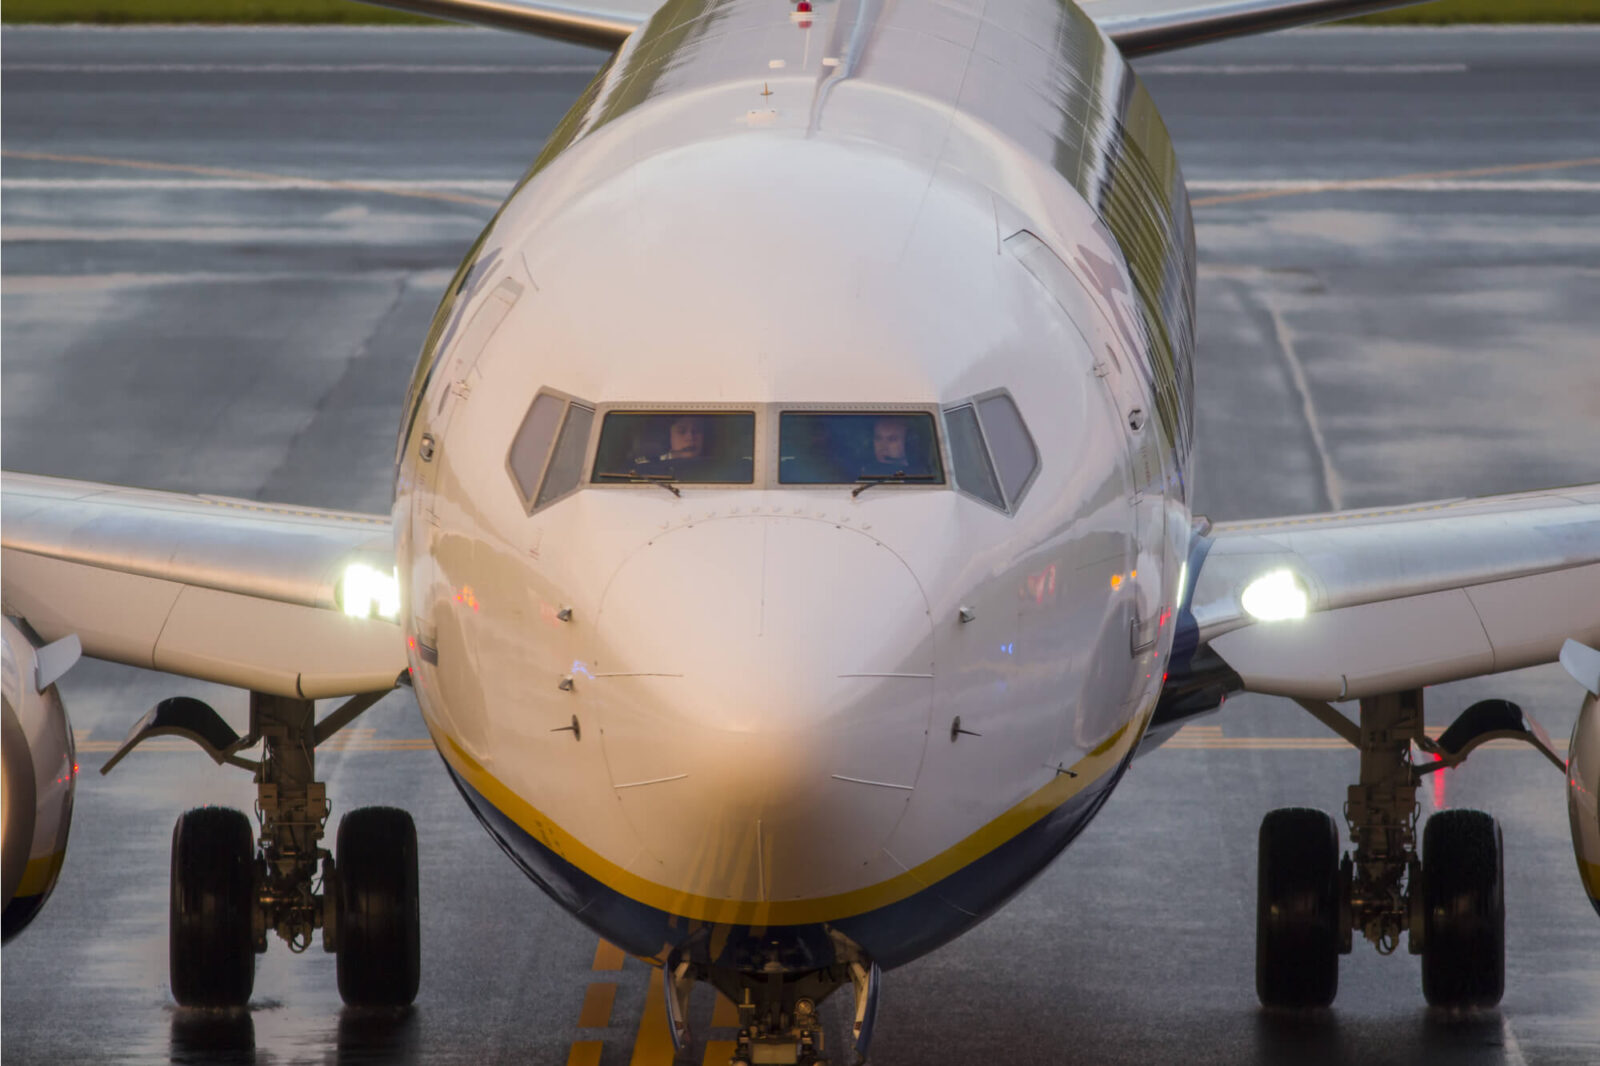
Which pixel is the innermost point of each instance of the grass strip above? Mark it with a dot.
(1446, 12)
(214, 11)
(1440, 12)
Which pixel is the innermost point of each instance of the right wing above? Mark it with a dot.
(1388, 599)
(241, 593)
(1144, 27)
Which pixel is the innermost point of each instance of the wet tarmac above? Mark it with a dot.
(1394, 305)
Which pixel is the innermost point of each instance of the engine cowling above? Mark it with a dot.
(1583, 768)
(40, 771)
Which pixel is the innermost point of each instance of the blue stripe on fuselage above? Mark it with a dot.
(890, 935)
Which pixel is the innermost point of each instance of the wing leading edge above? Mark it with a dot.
(1373, 602)
(1139, 27)
(230, 591)
(1144, 27)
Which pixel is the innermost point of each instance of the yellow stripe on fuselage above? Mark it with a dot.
(40, 874)
(1065, 785)
(1590, 872)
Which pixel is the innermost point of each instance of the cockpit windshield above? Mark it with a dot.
(839, 448)
(691, 447)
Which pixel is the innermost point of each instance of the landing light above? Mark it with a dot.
(364, 591)
(1275, 597)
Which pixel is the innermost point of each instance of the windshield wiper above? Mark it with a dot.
(866, 481)
(666, 481)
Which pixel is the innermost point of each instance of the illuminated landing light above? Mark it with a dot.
(364, 592)
(1275, 597)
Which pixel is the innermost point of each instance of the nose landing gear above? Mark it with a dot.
(229, 889)
(778, 1011)
(1450, 902)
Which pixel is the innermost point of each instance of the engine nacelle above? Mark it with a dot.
(40, 770)
(1583, 768)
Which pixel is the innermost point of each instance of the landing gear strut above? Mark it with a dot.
(1449, 903)
(230, 889)
(778, 1011)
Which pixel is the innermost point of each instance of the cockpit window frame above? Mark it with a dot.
(1011, 502)
(531, 504)
(764, 468)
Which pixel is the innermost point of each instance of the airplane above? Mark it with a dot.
(791, 547)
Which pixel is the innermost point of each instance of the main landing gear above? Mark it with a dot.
(230, 888)
(1449, 902)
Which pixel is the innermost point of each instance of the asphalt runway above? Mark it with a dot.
(221, 249)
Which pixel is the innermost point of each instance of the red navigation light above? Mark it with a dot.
(803, 6)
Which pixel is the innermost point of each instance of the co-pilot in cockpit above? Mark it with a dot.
(829, 447)
(711, 447)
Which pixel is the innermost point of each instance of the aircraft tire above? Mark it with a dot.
(1464, 901)
(379, 932)
(1297, 909)
(211, 953)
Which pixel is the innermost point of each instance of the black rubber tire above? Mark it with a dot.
(1464, 901)
(211, 941)
(379, 933)
(1297, 909)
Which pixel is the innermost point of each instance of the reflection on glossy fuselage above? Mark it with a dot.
(723, 719)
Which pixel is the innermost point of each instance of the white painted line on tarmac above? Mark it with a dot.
(1332, 486)
(296, 68)
(487, 186)
(1302, 68)
(1397, 185)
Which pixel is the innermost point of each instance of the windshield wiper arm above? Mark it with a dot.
(666, 481)
(866, 481)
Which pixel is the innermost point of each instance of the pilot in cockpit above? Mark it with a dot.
(686, 438)
(888, 449)
(682, 452)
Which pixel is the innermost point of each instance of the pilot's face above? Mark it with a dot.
(686, 438)
(889, 441)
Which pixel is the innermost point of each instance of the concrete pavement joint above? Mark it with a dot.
(1379, 183)
(251, 175)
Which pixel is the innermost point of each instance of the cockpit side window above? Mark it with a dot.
(691, 447)
(1015, 458)
(974, 472)
(836, 447)
(993, 452)
(546, 458)
(566, 462)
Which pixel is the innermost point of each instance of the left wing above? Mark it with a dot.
(1362, 603)
(1139, 27)
(286, 601)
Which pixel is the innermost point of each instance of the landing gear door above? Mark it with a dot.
(449, 391)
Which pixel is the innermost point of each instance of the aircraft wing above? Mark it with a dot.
(1139, 27)
(1143, 27)
(287, 601)
(1358, 603)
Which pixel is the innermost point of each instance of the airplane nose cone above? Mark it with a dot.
(765, 688)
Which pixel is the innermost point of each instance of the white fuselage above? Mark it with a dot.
(728, 715)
